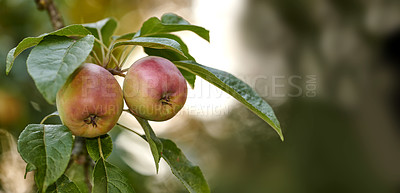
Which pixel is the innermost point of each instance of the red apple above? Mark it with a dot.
(91, 101)
(154, 89)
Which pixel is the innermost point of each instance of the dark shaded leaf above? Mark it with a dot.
(63, 185)
(92, 146)
(107, 178)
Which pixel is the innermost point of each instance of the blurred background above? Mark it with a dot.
(329, 68)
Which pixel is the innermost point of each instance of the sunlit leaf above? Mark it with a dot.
(54, 59)
(71, 30)
(46, 149)
(236, 88)
(170, 23)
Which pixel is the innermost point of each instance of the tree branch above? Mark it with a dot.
(79, 152)
(55, 17)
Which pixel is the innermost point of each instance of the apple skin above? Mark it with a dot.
(154, 89)
(91, 101)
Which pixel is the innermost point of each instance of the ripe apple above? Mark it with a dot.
(91, 101)
(154, 89)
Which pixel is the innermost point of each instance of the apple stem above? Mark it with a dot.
(116, 72)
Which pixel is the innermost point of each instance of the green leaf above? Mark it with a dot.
(71, 30)
(157, 43)
(106, 27)
(127, 36)
(76, 172)
(48, 149)
(170, 23)
(190, 77)
(156, 146)
(188, 173)
(170, 55)
(29, 167)
(107, 178)
(54, 59)
(92, 146)
(236, 88)
(63, 185)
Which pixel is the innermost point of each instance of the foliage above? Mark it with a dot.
(56, 55)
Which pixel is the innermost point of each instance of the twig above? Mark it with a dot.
(79, 151)
(116, 72)
(55, 17)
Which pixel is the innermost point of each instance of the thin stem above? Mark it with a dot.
(115, 60)
(100, 150)
(126, 57)
(48, 116)
(96, 58)
(109, 54)
(122, 54)
(101, 43)
(127, 128)
(116, 72)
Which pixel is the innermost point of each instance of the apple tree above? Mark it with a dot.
(62, 59)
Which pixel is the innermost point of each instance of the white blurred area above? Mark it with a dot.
(205, 102)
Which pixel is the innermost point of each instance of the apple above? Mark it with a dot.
(154, 89)
(91, 101)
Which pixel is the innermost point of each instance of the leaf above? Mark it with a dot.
(108, 178)
(151, 42)
(155, 143)
(190, 77)
(127, 36)
(188, 173)
(106, 27)
(54, 59)
(236, 88)
(92, 146)
(71, 30)
(48, 149)
(29, 167)
(170, 23)
(76, 173)
(173, 56)
(63, 185)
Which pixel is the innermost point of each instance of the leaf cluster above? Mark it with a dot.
(54, 58)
